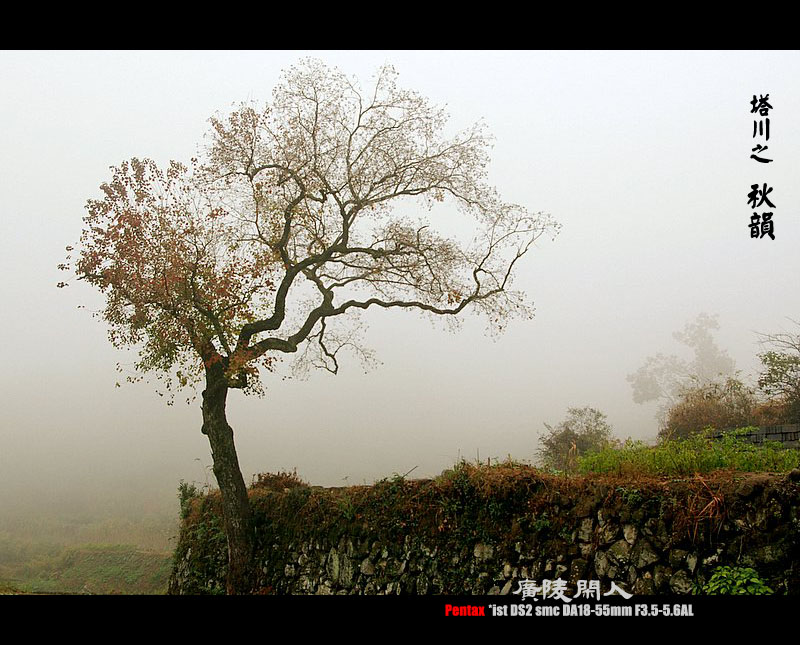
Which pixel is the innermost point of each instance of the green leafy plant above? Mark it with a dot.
(696, 454)
(281, 481)
(583, 430)
(735, 581)
(347, 507)
(630, 496)
(727, 404)
(186, 493)
(541, 523)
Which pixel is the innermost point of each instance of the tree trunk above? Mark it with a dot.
(235, 503)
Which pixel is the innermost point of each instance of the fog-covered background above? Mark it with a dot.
(643, 157)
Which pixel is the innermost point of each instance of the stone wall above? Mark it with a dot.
(481, 530)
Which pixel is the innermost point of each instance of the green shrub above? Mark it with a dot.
(186, 493)
(583, 430)
(719, 405)
(697, 454)
(735, 581)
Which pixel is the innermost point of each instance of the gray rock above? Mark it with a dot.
(332, 566)
(644, 554)
(601, 564)
(346, 571)
(644, 586)
(585, 530)
(619, 552)
(677, 557)
(680, 583)
(661, 576)
(394, 567)
(609, 532)
(577, 570)
(768, 554)
(483, 552)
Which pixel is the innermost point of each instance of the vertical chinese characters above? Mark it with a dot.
(761, 224)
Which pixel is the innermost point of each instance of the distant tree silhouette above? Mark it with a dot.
(583, 430)
(667, 379)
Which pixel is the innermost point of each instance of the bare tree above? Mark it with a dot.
(302, 211)
(780, 375)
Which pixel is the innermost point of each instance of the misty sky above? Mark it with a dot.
(643, 157)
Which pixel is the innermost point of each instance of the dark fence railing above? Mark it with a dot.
(788, 435)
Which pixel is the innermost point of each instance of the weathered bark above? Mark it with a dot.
(235, 503)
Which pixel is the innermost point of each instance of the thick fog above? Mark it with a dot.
(643, 157)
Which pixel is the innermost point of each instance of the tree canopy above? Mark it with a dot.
(780, 374)
(316, 205)
(668, 378)
(300, 198)
(583, 430)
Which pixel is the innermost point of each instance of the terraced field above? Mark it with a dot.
(90, 569)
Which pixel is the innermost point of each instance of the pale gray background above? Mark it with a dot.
(642, 156)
